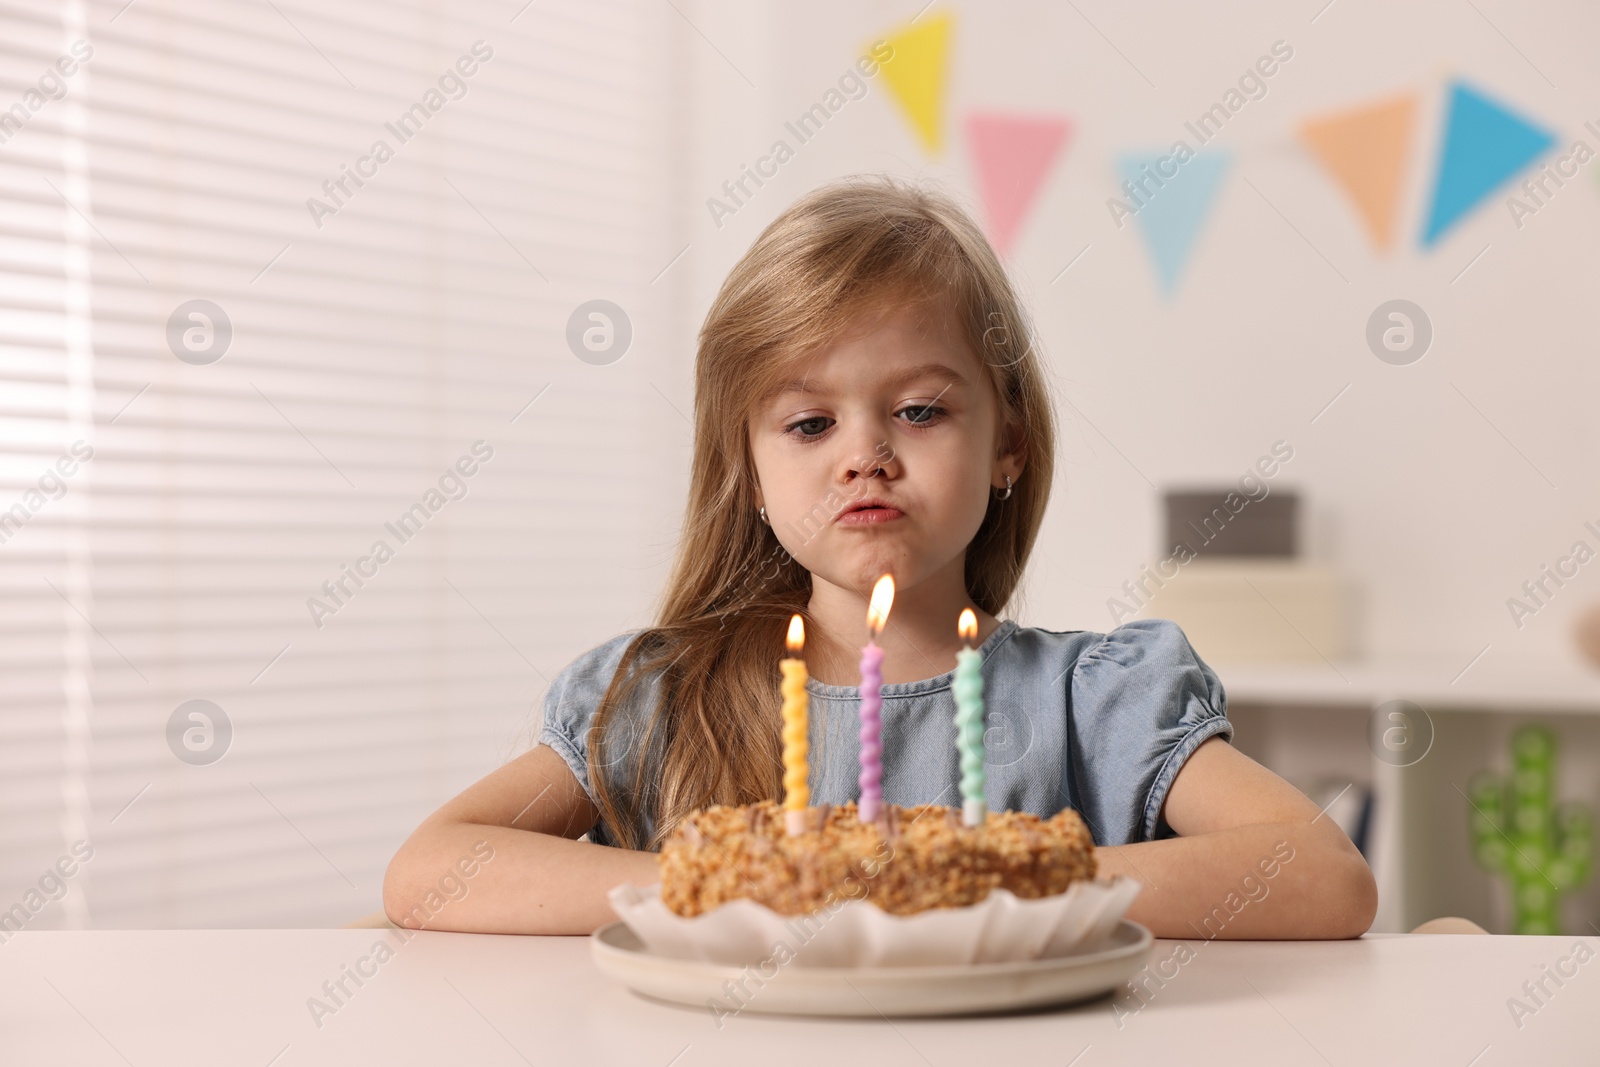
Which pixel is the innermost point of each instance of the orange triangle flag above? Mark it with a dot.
(916, 76)
(1365, 150)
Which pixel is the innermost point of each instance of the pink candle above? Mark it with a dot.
(872, 703)
(871, 732)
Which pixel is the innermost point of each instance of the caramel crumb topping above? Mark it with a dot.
(904, 864)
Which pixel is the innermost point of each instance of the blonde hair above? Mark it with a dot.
(844, 249)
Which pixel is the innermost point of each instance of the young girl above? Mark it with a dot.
(868, 401)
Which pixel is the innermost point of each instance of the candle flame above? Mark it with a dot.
(968, 626)
(878, 609)
(797, 635)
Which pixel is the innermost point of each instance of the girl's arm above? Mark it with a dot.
(1255, 859)
(537, 878)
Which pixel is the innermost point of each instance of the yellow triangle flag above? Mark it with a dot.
(1365, 150)
(916, 75)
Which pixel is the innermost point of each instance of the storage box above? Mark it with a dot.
(1257, 610)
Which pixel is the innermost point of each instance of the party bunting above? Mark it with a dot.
(1365, 151)
(1485, 144)
(916, 77)
(1171, 216)
(1012, 154)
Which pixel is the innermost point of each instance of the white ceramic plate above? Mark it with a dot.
(873, 991)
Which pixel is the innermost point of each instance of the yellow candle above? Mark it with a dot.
(797, 794)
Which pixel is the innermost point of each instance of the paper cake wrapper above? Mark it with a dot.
(1001, 928)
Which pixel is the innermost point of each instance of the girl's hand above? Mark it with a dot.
(537, 878)
(1254, 859)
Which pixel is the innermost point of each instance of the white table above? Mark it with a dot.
(238, 997)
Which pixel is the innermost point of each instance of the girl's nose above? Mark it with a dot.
(869, 458)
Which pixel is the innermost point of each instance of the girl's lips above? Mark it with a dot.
(870, 516)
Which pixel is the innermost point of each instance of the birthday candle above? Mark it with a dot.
(872, 703)
(969, 722)
(797, 794)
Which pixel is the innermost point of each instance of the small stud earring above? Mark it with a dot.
(1007, 492)
(764, 514)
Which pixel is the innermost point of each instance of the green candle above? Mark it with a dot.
(969, 723)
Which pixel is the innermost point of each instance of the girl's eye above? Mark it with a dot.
(920, 415)
(923, 414)
(808, 434)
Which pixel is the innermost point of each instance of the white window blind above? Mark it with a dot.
(396, 372)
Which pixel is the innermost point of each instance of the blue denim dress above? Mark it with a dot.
(1098, 722)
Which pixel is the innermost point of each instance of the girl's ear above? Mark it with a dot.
(1013, 452)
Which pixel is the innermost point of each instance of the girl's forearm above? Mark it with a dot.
(520, 882)
(1292, 880)
(1296, 880)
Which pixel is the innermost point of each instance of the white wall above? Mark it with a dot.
(1411, 493)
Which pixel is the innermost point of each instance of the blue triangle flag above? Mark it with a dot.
(1172, 216)
(1484, 145)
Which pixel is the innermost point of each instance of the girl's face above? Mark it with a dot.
(899, 413)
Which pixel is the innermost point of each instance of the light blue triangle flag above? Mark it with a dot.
(1173, 214)
(1484, 145)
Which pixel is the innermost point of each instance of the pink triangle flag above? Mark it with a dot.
(1012, 154)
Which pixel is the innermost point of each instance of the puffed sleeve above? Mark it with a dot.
(1141, 701)
(572, 700)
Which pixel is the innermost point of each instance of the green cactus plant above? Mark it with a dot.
(1544, 850)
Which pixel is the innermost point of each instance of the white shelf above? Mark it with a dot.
(1539, 687)
(1309, 721)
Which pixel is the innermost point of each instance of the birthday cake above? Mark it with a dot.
(918, 858)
